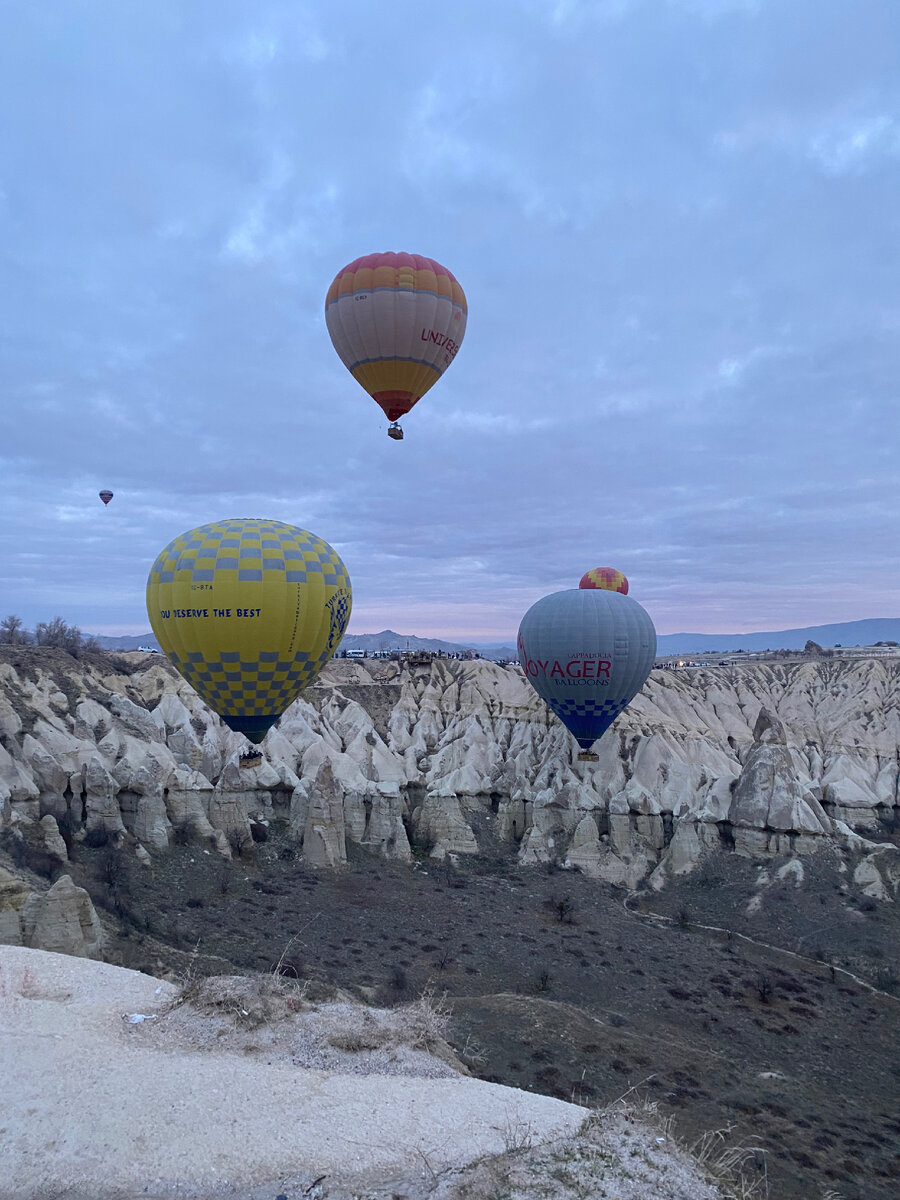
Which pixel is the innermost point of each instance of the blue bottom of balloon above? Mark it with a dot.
(253, 728)
(587, 720)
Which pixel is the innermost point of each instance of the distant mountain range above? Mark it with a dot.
(389, 640)
(127, 643)
(846, 633)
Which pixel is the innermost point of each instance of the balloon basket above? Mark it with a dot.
(395, 432)
(588, 756)
(249, 760)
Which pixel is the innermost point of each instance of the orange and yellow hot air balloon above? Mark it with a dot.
(396, 321)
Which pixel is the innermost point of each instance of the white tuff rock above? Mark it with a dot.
(766, 759)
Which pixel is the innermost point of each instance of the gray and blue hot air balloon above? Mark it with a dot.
(587, 653)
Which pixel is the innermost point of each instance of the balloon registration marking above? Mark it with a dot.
(249, 611)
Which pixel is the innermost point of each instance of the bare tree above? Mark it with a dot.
(13, 632)
(56, 633)
(66, 637)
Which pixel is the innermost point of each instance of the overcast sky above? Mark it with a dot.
(677, 226)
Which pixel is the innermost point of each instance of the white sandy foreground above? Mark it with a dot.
(90, 1106)
(114, 1087)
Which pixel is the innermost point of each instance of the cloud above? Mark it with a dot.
(290, 32)
(443, 143)
(105, 408)
(564, 13)
(712, 10)
(835, 143)
(855, 145)
(675, 227)
(732, 371)
(279, 220)
(489, 423)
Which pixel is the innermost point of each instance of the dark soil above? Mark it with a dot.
(562, 985)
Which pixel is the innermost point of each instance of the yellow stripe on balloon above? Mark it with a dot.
(412, 377)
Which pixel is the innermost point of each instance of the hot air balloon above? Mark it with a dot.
(249, 611)
(587, 652)
(396, 321)
(606, 578)
(106, 495)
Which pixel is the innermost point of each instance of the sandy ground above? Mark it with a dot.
(218, 1099)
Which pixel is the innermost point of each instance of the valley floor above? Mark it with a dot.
(558, 986)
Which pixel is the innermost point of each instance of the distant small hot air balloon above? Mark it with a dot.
(249, 611)
(396, 321)
(606, 578)
(587, 653)
(106, 495)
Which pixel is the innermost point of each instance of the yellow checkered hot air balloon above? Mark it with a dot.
(396, 321)
(249, 611)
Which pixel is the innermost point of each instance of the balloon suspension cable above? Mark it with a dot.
(395, 432)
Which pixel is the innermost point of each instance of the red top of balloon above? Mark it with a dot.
(418, 262)
(608, 579)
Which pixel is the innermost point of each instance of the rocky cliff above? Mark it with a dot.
(461, 757)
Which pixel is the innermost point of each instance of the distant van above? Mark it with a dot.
(356, 654)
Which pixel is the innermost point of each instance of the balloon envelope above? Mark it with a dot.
(106, 495)
(606, 578)
(249, 611)
(396, 321)
(587, 653)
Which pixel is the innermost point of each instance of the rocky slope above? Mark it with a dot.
(120, 1084)
(460, 757)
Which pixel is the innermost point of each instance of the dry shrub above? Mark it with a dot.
(427, 1020)
(251, 1000)
(420, 1025)
(728, 1164)
(355, 1041)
